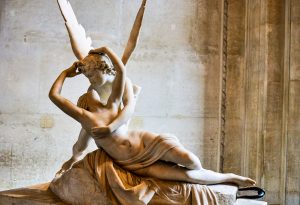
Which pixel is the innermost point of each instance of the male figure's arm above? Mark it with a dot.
(78, 150)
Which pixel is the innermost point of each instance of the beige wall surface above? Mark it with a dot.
(177, 63)
(223, 75)
(262, 125)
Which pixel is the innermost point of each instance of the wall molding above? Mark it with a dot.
(223, 80)
(285, 100)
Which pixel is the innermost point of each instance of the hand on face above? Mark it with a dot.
(72, 71)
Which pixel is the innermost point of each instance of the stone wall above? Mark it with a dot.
(177, 62)
(262, 106)
(221, 75)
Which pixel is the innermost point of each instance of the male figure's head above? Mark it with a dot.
(89, 101)
(98, 68)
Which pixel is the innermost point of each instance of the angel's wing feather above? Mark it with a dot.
(134, 34)
(81, 44)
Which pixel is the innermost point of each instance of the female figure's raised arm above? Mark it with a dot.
(129, 100)
(65, 105)
(120, 78)
(126, 113)
(131, 91)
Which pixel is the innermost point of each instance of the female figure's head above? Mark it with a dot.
(98, 68)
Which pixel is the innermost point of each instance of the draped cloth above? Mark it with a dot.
(150, 154)
(101, 178)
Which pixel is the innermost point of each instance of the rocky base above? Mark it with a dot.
(41, 195)
(33, 195)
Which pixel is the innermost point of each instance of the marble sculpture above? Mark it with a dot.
(130, 167)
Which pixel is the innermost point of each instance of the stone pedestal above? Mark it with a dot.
(41, 195)
(226, 193)
(249, 202)
(33, 195)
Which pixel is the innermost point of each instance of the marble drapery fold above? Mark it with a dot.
(97, 179)
(150, 154)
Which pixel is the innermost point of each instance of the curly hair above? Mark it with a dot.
(105, 65)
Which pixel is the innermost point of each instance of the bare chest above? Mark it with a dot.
(102, 117)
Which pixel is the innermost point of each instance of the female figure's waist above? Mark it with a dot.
(120, 145)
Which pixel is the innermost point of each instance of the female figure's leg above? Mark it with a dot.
(173, 172)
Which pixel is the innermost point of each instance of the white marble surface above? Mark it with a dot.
(249, 202)
(40, 195)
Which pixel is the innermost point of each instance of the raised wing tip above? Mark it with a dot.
(67, 11)
(81, 44)
(60, 5)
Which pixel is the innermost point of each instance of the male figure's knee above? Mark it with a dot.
(192, 161)
(169, 135)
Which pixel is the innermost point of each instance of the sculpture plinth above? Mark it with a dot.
(41, 195)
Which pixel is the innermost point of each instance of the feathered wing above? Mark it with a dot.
(81, 44)
(134, 34)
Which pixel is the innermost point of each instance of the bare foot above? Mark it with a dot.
(242, 181)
